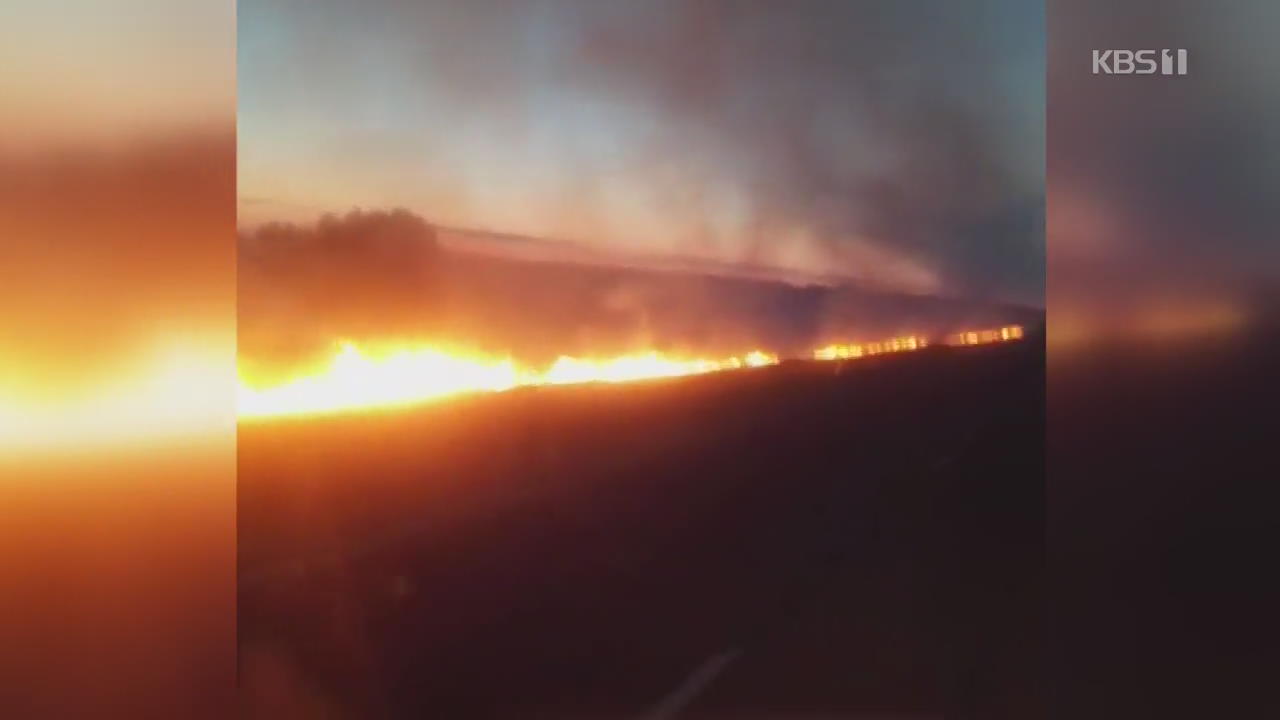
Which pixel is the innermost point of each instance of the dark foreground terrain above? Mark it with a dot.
(804, 541)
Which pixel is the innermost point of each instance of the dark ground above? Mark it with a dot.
(802, 541)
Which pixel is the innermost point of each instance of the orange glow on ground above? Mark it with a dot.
(360, 379)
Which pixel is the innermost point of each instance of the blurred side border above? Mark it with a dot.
(117, 359)
(1163, 342)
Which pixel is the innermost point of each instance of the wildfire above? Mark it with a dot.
(360, 378)
(916, 342)
(357, 379)
(846, 352)
(983, 337)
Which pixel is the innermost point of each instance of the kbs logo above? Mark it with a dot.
(1139, 62)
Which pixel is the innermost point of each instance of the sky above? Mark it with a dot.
(897, 144)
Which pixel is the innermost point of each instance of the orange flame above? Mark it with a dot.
(356, 379)
(983, 337)
(916, 342)
(845, 352)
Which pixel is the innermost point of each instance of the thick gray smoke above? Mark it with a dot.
(906, 127)
(897, 144)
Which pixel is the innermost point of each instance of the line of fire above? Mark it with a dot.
(364, 379)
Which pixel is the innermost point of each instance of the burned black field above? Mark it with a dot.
(814, 539)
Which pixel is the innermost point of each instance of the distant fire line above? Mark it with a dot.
(908, 343)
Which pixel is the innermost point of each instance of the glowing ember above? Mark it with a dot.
(356, 380)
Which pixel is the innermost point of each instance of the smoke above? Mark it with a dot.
(357, 275)
(380, 276)
(898, 145)
(888, 135)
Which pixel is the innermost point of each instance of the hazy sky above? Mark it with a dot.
(899, 143)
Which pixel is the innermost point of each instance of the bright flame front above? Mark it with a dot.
(356, 380)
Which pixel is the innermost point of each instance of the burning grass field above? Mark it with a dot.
(404, 375)
(843, 538)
